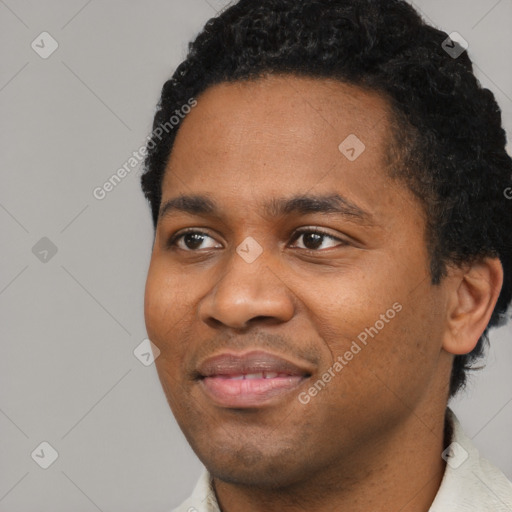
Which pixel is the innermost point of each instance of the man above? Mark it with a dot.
(332, 244)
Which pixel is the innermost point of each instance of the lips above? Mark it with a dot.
(250, 380)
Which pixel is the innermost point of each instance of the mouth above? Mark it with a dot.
(250, 380)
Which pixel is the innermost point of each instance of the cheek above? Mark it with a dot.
(343, 305)
(155, 303)
(163, 304)
(163, 313)
(381, 320)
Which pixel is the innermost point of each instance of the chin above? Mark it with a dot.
(254, 465)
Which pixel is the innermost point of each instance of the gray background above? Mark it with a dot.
(70, 324)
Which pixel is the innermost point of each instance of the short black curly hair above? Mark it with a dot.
(448, 133)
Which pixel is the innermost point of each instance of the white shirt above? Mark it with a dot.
(470, 483)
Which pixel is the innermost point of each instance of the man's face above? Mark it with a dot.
(257, 285)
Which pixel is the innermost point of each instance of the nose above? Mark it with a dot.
(247, 293)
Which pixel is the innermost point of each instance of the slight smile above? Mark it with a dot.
(254, 379)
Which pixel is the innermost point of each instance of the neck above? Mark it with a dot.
(402, 471)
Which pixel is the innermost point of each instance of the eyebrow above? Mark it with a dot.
(275, 207)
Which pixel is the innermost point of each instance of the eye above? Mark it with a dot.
(314, 238)
(192, 239)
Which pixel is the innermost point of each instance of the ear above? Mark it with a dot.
(472, 295)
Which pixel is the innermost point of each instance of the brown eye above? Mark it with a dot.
(191, 240)
(314, 238)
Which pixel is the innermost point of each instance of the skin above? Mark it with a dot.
(372, 438)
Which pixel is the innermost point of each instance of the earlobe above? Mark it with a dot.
(473, 293)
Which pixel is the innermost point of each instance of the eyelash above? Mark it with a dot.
(175, 238)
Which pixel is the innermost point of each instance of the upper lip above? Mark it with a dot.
(256, 361)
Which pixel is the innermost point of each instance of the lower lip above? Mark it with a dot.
(240, 393)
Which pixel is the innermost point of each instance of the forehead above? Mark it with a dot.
(288, 105)
(281, 131)
(277, 93)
